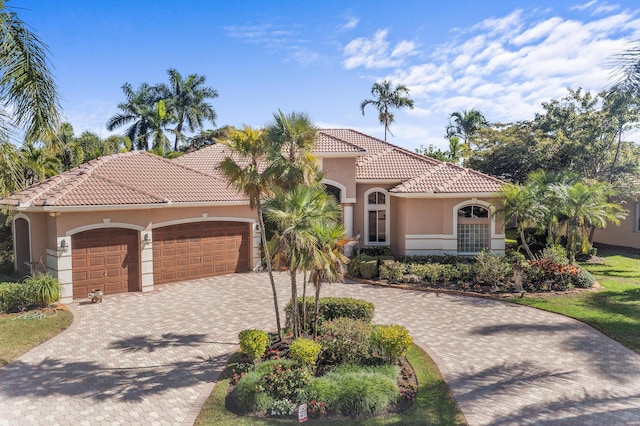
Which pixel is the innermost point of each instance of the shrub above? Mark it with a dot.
(555, 253)
(354, 267)
(355, 393)
(492, 269)
(334, 307)
(253, 343)
(368, 269)
(305, 351)
(377, 251)
(249, 395)
(547, 275)
(287, 382)
(13, 296)
(392, 341)
(282, 408)
(392, 271)
(345, 340)
(583, 279)
(43, 288)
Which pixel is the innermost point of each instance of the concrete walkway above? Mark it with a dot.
(144, 359)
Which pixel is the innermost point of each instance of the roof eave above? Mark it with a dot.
(443, 194)
(112, 207)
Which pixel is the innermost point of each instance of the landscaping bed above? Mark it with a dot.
(349, 370)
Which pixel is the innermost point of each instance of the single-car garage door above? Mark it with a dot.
(107, 259)
(201, 249)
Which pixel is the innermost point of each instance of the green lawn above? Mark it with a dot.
(434, 404)
(614, 310)
(18, 335)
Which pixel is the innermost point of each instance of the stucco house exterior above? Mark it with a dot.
(130, 221)
(627, 234)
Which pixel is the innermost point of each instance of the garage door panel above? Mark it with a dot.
(107, 259)
(213, 248)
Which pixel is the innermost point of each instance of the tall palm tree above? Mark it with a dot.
(138, 109)
(328, 262)
(585, 205)
(245, 171)
(296, 215)
(11, 177)
(27, 86)
(627, 74)
(292, 162)
(158, 120)
(186, 101)
(385, 98)
(465, 125)
(521, 204)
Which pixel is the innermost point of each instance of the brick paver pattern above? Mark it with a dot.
(153, 358)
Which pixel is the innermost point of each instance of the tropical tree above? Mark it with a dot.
(158, 120)
(387, 97)
(27, 87)
(186, 102)
(585, 205)
(327, 262)
(522, 205)
(11, 177)
(465, 125)
(140, 109)
(292, 138)
(297, 215)
(627, 74)
(37, 163)
(244, 169)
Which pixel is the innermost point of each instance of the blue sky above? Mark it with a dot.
(502, 57)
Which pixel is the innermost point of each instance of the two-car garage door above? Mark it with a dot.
(109, 258)
(202, 249)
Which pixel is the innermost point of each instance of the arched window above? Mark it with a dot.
(474, 227)
(377, 217)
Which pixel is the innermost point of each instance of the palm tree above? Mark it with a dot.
(585, 205)
(521, 204)
(244, 170)
(11, 177)
(292, 137)
(37, 163)
(627, 75)
(186, 101)
(465, 125)
(385, 98)
(328, 262)
(158, 120)
(27, 86)
(297, 214)
(139, 110)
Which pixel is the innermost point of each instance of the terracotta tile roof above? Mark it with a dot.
(379, 161)
(131, 178)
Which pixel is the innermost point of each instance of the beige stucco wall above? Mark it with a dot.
(623, 235)
(341, 170)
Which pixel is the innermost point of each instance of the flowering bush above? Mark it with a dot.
(282, 407)
(284, 382)
(318, 408)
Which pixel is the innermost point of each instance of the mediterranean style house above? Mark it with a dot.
(130, 221)
(627, 234)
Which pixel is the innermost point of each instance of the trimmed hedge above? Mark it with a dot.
(332, 308)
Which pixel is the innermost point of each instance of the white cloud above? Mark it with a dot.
(376, 52)
(350, 24)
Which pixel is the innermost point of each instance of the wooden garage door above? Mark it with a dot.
(107, 259)
(202, 249)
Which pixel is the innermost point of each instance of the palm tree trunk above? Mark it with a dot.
(304, 301)
(316, 313)
(267, 257)
(178, 132)
(526, 246)
(295, 321)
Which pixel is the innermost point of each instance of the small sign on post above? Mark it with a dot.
(302, 413)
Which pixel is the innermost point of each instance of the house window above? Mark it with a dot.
(473, 229)
(636, 222)
(377, 217)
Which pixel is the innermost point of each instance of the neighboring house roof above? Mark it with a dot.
(132, 178)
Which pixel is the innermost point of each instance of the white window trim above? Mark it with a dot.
(387, 210)
(492, 222)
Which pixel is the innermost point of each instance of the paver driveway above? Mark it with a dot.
(153, 358)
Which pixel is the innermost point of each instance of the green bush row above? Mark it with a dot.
(38, 290)
(332, 308)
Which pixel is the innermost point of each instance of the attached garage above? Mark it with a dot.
(201, 249)
(107, 259)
